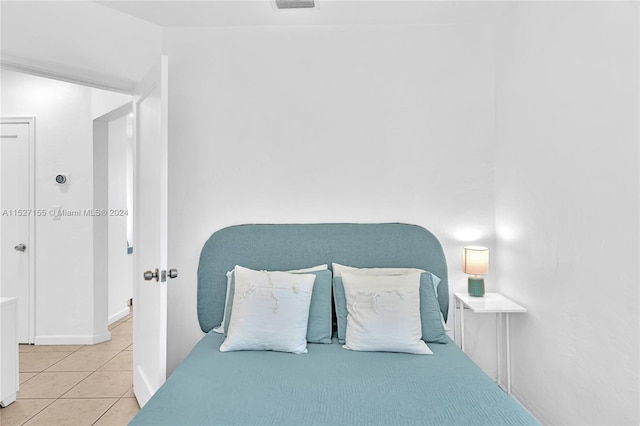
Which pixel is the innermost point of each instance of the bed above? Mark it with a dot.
(328, 385)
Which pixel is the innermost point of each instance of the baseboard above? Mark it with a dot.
(118, 315)
(517, 399)
(73, 339)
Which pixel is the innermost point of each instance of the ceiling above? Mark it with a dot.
(205, 13)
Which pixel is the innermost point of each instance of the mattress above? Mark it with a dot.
(329, 386)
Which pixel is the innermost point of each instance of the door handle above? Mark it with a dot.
(20, 247)
(148, 275)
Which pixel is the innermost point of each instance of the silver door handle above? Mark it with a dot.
(148, 275)
(173, 273)
(20, 247)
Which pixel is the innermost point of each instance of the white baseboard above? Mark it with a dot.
(515, 397)
(73, 339)
(118, 315)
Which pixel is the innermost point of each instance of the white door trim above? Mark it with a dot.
(31, 122)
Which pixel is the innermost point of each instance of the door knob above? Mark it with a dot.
(173, 273)
(20, 247)
(148, 275)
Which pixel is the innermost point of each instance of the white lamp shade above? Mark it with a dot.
(475, 260)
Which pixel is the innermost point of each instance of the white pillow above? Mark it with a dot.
(339, 269)
(383, 313)
(270, 311)
(220, 329)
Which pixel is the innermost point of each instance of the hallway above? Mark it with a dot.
(78, 385)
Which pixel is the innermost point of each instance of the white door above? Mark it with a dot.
(150, 233)
(17, 218)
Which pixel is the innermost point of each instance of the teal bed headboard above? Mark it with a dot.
(294, 246)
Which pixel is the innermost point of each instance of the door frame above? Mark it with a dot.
(115, 114)
(30, 121)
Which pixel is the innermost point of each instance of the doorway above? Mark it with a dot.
(113, 192)
(65, 304)
(17, 220)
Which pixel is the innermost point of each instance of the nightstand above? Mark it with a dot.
(490, 303)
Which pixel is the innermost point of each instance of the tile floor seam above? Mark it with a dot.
(71, 353)
(35, 375)
(60, 396)
(43, 408)
(76, 385)
(106, 411)
(40, 371)
(79, 371)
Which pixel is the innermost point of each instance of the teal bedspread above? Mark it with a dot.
(329, 386)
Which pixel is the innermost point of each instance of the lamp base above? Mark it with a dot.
(476, 286)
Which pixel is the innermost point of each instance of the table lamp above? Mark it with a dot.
(475, 262)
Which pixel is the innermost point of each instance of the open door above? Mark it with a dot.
(150, 233)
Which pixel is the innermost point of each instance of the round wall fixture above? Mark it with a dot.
(61, 179)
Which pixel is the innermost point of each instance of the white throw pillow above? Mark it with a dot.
(270, 311)
(339, 269)
(383, 313)
(220, 329)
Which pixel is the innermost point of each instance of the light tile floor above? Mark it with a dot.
(76, 385)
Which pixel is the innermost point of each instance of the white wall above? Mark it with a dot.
(120, 263)
(326, 124)
(113, 133)
(567, 206)
(104, 102)
(81, 39)
(100, 223)
(63, 248)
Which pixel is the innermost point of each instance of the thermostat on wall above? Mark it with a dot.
(62, 178)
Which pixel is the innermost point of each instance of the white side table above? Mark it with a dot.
(490, 303)
(8, 350)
